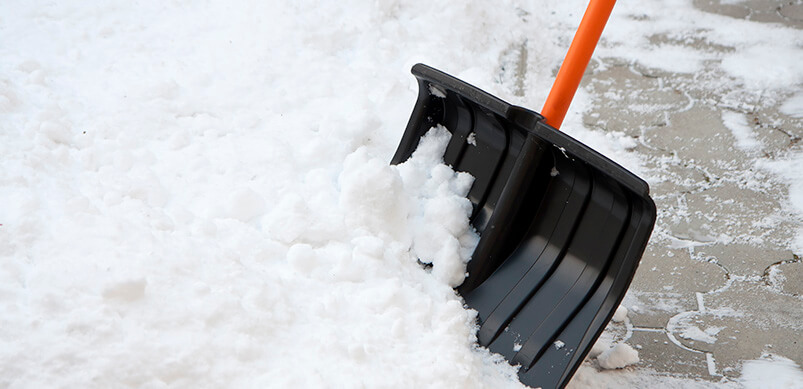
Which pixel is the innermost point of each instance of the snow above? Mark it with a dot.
(789, 171)
(744, 134)
(603, 343)
(472, 139)
(442, 234)
(794, 106)
(766, 66)
(618, 357)
(620, 315)
(199, 196)
(771, 371)
(709, 335)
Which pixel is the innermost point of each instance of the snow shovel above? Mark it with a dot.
(562, 228)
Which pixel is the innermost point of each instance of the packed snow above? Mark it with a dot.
(618, 357)
(772, 371)
(709, 335)
(200, 196)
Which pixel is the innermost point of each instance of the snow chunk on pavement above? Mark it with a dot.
(618, 357)
(602, 344)
(620, 315)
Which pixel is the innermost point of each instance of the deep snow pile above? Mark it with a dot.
(198, 195)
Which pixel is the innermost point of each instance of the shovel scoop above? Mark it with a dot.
(562, 228)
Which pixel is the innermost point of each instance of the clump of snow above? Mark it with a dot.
(620, 315)
(437, 91)
(442, 234)
(618, 356)
(472, 139)
(603, 343)
(771, 371)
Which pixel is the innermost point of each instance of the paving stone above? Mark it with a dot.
(729, 220)
(696, 135)
(743, 321)
(658, 352)
(737, 11)
(786, 277)
(742, 259)
(792, 12)
(630, 102)
(765, 11)
(722, 234)
(777, 131)
(653, 309)
(666, 285)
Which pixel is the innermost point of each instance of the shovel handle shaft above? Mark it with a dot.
(576, 61)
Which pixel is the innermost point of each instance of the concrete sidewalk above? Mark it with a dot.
(718, 284)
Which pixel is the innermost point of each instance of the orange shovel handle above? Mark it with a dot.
(570, 73)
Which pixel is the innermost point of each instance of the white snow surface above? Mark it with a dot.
(709, 335)
(620, 315)
(198, 195)
(771, 371)
(744, 134)
(794, 106)
(618, 357)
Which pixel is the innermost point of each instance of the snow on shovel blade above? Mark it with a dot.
(562, 228)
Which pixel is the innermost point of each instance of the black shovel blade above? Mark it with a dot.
(562, 228)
